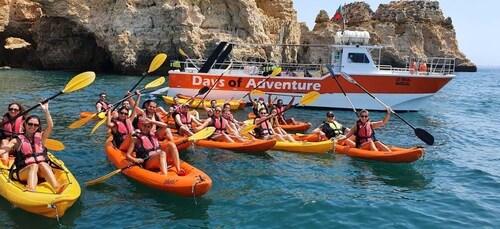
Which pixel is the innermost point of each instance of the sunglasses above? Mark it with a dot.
(124, 113)
(363, 116)
(13, 109)
(331, 116)
(33, 124)
(218, 110)
(263, 113)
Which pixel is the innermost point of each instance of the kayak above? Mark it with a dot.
(44, 201)
(182, 143)
(220, 102)
(194, 183)
(85, 114)
(170, 100)
(398, 155)
(305, 147)
(299, 127)
(252, 146)
(306, 137)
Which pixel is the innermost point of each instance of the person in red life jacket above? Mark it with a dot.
(331, 129)
(277, 128)
(363, 129)
(226, 113)
(281, 111)
(101, 105)
(121, 127)
(152, 111)
(184, 120)
(9, 126)
(149, 152)
(264, 128)
(223, 131)
(31, 158)
(257, 105)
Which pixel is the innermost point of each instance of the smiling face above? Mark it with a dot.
(14, 109)
(32, 124)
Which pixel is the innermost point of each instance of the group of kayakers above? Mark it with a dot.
(24, 138)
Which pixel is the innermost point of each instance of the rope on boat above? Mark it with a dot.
(199, 180)
(53, 206)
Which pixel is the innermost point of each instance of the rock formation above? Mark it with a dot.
(124, 35)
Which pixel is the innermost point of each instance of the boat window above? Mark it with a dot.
(357, 58)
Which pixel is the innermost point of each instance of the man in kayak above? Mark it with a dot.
(257, 105)
(331, 129)
(365, 135)
(101, 105)
(151, 110)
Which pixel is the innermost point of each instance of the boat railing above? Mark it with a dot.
(431, 66)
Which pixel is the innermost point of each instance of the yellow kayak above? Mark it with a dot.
(44, 201)
(170, 100)
(305, 147)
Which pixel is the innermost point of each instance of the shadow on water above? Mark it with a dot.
(402, 175)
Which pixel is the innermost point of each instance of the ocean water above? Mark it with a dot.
(455, 185)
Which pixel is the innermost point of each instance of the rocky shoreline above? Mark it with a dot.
(122, 36)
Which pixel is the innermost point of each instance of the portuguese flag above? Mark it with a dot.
(338, 14)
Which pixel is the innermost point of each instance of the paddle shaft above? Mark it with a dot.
(215, 83)
(138, 82)
(342, 89)
(258, 85)
(32, 108)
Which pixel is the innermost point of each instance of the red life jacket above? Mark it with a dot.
(147, 146)
(281, 111)
(137, 123)
(264, 129)
(104, 105)
(29, 153)
(364, 133)
(14, 126)
(185, 119)
(219, 124)
(123, 129)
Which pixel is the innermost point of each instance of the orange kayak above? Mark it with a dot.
(252, 146)
(307, 137)
(181, 142)
(194, 183)
(86, 114)
(398, 155)
(241, 102)
(299, 127)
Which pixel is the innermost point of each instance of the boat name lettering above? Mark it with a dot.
(197, 80)
(292, 85)
(170, 181)
(404, 81)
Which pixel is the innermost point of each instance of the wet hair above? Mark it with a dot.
(39, 129)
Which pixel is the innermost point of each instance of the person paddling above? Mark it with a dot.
(31, 159)
(265, 130)
(151, 110)
(184, 120)
(281, 111)
(10, 126)
(121, 127)
(331, 129)
(223, 131)
(365, 135)
(101, 105)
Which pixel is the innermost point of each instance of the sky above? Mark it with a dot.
(476, 24)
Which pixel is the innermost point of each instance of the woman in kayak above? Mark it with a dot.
(31, 155)
(276, 126)
(281, 111)
(152, 111)
(10, 126)
(223, 131)
(331, 129)
(121, 127)
(149, 152)
(265, 130)
(363, 129)
(183, 121)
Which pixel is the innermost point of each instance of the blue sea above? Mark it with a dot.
(455, 185)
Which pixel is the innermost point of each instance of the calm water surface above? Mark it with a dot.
(456, 184)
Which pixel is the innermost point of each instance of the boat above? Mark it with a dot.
(401, 88)
(85, 114)
(398, 155)
(170, 100)
(305, 147)
(220, 102)
(44, 201)
(194, 183)
(298, 127)
(252, 146)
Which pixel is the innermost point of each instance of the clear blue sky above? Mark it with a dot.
(476, 23)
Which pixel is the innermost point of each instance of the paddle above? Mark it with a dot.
(202, 91)
(202, 134)
(215, 83)
(102, 115)
(345, 95)
(422, 134)
(76, 83)
(50, 144)
(187, 57)
(83, 121)
(155, 64)
(305, 100)
(247, 128)
(275, 72)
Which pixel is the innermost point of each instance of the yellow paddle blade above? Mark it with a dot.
(102, 115)
(157, 62)
(309, 98)
(103, 178)
(202, 134)
(55, 145)
(182, 52)
(97, 126)
(275, 72)
(79, 81)
(247, 128)
(80, 122)
(248, 121)
(155, 83)
(257, 92)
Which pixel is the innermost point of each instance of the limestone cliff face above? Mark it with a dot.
(124, 35)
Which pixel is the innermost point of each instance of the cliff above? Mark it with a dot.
(124, 35)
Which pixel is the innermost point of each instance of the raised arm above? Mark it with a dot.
(384, 121)
(48, 118)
